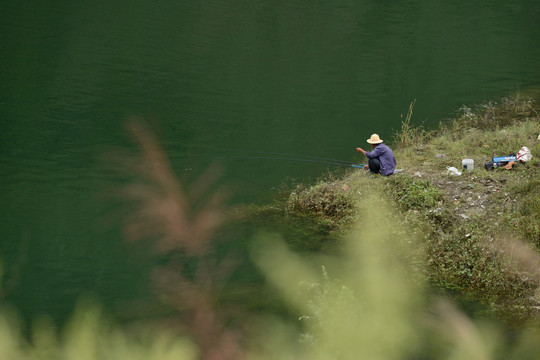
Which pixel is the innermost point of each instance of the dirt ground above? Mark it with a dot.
(474, 194)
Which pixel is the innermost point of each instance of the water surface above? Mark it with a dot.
(215, 79)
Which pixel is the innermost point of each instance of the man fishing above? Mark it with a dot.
(381, 158)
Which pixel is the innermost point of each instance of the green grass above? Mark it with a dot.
(414, 193)
(494, 129)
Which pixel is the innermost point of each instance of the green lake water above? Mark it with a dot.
(214, 80)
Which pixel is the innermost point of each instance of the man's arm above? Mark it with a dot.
(376, 152)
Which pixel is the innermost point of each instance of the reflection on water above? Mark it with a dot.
(294, 77)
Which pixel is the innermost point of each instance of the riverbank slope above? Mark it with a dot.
(480, 231)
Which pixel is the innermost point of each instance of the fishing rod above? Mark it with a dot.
(341, 163)
(292, 155)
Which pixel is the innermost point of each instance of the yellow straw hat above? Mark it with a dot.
(374, 139)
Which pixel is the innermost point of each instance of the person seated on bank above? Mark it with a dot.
(381, 159)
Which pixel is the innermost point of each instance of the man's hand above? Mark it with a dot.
(361, 150)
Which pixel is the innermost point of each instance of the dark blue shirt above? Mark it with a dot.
(385, 156)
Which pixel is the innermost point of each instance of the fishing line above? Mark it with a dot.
(292, 155)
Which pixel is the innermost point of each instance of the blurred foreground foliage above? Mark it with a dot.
(88, 336)
(369, 302)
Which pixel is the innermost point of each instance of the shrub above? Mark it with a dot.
(327, 201)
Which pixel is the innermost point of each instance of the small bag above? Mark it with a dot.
(524, 154)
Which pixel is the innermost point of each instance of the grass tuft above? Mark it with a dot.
(332, 202)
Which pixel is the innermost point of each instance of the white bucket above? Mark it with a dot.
(468, 164)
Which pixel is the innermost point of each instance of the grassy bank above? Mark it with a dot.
(480, 231)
